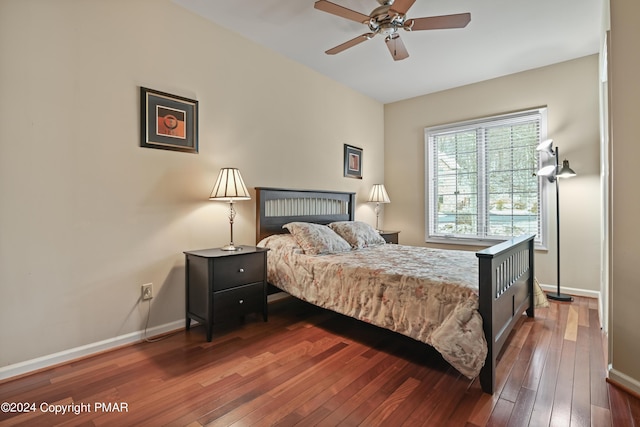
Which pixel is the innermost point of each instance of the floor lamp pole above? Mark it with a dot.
(557, 296)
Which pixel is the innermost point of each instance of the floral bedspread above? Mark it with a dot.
(427, 294)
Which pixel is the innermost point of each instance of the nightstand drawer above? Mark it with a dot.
(234, 271)
(238, 301)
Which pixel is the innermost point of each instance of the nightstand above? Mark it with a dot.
(220, 284)
(390, 236)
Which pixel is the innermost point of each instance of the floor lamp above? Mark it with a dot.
(552, 173)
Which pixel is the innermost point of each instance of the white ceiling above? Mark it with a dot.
(503, 37)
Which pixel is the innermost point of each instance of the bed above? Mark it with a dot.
(476, 304)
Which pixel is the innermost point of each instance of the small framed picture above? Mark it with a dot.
(352, 161)
(168, 122)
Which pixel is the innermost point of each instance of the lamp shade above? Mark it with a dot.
(547, 171)
(566, 171)
(229, 186)
(546, 146)
(379, 194)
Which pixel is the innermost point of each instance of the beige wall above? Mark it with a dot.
(87, 215)
(570, 91)
(624, 63)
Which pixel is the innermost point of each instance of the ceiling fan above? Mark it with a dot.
(386, 20)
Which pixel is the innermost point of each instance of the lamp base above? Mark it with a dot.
(559, 297)
(231, 247)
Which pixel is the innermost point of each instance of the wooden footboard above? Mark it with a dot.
(506, 291)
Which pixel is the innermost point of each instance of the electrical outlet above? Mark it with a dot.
(147, 291)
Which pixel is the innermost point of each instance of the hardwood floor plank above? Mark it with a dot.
(420, 399)
(561, 413)
(381, 412)
(324, 371)
(433, 397)
(486, 404)
(634, 406)
(348, 407)
(449, 399)
(347, 392)
(517, 374)
(584, 318)
(546, 392)
(224, 398)
(522, 408)
(581, 396)
(461, 414)
(501, 413)
(600, 417)
(619, 407)
(598, 386)
(571, 330)
(538, 359)
(260, 388)
(356, 368)
(291, 394)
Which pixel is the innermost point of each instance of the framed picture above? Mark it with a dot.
(352, 161)
(168, 122)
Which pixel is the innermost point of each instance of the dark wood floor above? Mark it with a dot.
(309, 367)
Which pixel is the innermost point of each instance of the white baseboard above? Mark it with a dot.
(85, 350)
(571, 291)
(624, 380)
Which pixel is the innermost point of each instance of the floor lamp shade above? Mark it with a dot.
(378, 195)
(229, 187)
(552, 173)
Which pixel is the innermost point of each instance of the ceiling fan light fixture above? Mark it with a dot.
(388, 29)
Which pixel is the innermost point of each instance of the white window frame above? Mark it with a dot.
(430, 236)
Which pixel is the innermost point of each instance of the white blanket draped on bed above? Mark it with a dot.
(427, 294)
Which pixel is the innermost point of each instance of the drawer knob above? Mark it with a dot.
(241, 270)
(241, 301)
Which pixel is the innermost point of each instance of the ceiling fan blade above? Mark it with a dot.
(343, 12)
(402, 6)
(350, 43)
(459, 20)
(396, 47)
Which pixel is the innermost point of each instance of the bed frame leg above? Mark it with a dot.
(530, 283)
(487, 374)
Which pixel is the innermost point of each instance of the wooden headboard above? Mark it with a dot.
(276, 207)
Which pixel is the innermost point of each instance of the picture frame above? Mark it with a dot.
(352, 161)
(168, 122)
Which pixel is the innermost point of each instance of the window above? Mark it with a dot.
(481, 179)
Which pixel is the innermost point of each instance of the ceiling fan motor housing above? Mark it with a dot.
(384, 23)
